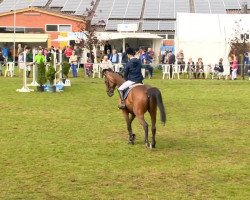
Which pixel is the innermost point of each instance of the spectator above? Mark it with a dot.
(209, 71)
(106, 63)
(248, 72)
(191, 68)
(151, 54)
(1, 63)
(114, 57)
(124, 58)
(73, 62)
(88, 67)
(164, 58)
(171, 61)
(22, 60)
(234, 68)
(230, 59)
(106, 47)
(221, 68)
(48, 55)
(5, 53)
(146, 61)
(109, 54)
(68, 52)
(200, 68)
(180, 60)
(19, 49)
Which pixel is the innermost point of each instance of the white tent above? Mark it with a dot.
(208, 35)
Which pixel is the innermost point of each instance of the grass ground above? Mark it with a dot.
(73, 145)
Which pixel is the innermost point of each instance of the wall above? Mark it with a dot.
(35, 19)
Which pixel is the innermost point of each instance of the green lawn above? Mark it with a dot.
(73, 145)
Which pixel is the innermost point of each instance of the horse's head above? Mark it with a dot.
(110, 81)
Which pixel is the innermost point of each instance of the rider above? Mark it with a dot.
(132, 74)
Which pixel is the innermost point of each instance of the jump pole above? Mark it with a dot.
(34, 83)
(60, 71)
(55, 67)
(25, 87)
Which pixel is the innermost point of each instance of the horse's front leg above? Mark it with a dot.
(129, 127)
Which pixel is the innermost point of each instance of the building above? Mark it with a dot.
(37, 27)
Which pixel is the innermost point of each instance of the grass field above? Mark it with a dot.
(73, 145)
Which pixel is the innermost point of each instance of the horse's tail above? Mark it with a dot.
(156, 93)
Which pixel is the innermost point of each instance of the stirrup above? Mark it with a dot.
(121, 106)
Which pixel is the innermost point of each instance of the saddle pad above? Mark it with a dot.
(130, 88)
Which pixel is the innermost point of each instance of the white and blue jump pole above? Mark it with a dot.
(25, 87)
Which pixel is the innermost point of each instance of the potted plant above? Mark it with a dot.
(41, 76)
(51, 74)
(65, 71)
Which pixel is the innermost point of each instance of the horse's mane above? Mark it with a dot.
(110, 70)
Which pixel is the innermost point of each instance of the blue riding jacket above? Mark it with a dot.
(132, 71)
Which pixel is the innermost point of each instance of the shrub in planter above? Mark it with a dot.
(65, 70)
(51, 74)
(41, 76)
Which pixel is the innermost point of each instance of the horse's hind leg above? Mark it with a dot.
(145, 127)
(129, 127)
(153, 121)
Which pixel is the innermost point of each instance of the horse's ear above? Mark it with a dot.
(104, 71)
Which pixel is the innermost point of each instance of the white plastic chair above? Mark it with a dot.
(166, 71)
(96, 70)
(118, 67)
(9, 71)
(176, 71)
(143, 72)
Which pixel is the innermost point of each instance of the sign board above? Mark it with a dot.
(127, 27)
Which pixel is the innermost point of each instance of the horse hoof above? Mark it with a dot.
(147, 145)
(131, 142)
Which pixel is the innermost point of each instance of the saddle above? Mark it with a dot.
(126, 91)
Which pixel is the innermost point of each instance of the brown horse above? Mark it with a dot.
(140, 99)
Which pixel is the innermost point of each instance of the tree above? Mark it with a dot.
(90, 29)
(238, 40)
(239, 44)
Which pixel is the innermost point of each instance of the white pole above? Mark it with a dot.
(55, 66)
(123, 45)
(34, 83)
(60, 73)
(14, 34)
(25, 87)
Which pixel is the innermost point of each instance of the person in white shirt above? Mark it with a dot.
(106, 63)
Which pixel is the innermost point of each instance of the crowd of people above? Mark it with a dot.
(197, 69)
(78, 56)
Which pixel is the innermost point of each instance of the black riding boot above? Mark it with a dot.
(122, 104)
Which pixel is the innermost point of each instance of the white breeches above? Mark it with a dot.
(125, 85)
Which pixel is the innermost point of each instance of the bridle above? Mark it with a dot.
(110, 90)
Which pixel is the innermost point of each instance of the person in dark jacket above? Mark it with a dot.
(132, 74)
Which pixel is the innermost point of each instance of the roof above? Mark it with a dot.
(45, 11)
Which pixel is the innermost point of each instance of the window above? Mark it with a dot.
(58, 27)
(51, 27)
(34, 30)
(10, 29)
(64, 28)
(171, 37)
